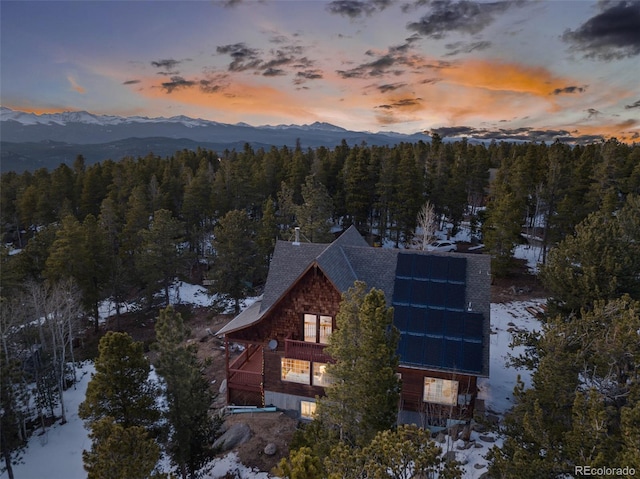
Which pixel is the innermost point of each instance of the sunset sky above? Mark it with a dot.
(516, 69)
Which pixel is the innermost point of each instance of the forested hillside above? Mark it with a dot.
(126, 229)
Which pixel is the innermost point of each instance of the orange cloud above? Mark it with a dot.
(512, 77)
(237, 99)
(75, 86)
(627, 130)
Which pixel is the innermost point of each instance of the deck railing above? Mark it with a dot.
(245, 372)
(245, 380)
(306, 351)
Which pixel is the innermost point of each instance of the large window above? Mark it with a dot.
(307, 409)
(320, 376)
(317, 328)
(296, 370)
(440, 391)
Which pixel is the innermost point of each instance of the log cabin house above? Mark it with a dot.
(441, 306)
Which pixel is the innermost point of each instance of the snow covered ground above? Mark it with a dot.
(58, 454)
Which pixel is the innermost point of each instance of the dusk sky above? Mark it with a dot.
(531, 68)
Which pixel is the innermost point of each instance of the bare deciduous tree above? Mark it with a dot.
(427, 225)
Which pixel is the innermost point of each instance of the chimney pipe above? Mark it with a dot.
(297, 237)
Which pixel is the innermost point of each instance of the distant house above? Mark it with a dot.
(441, 307)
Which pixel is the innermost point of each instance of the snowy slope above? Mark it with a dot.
(58, 454)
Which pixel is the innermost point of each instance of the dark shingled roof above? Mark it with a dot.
(348, 259)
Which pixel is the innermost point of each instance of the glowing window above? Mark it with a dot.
(317, 328)
(320, 376)
(440, 391)
(295, 370)
(326, 326)
(307, 409)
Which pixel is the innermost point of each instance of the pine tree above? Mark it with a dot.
(236, 252)
(161, 254)
(188, 395)
(600, 261)
(266, 238)
(120, 387)
(119, 452)
(363, 398)
(301, 464)
(502, 229)
(314, 214)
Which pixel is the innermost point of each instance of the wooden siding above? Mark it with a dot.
(313, 293)
(272, 381)
(411, 397)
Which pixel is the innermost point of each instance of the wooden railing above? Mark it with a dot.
(306, 351)
(246, 370)
(245, 380)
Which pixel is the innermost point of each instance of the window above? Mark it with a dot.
(320, 376)
(440, 391)
(317, 328)
(307, 409)
(295, 370)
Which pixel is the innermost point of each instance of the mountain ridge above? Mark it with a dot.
(29, 141)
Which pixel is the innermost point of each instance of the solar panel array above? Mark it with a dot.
(436, 329)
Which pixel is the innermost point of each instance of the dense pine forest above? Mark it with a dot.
(126, 229)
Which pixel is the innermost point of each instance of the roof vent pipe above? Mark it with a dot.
(297, 237)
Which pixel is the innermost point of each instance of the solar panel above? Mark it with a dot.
(432, 351)
(414, 347)
(457, 269)
(454, 322)
(430, 311)
(401, 316)
(455, 296)
(453, 356)
(404, 266)
(402, 291)
(422, 266)
(435, 321)
(420, 291)
(470, 358)
(473, 326)
(439, 267)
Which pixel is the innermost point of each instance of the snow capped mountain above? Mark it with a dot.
(84, 117)
(30, 140)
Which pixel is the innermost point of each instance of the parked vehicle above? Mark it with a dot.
(443, 246)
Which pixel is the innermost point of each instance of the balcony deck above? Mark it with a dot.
(306, 351)
(245, 373)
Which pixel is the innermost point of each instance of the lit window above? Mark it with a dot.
(317, 328)
(295, 370)
(440, 391)
(320, 376)
(326, 325)
(307, 409)
(310, 333)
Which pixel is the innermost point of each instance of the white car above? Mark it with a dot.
(443, 246)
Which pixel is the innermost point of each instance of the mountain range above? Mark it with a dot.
(29, 141)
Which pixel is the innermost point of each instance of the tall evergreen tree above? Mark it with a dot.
(120, 387)
(600, 261)
(235, 251)
(188, 395)
(161, 256)
(119, 452)
(502, 229)
(314, 214)
(363, 397)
